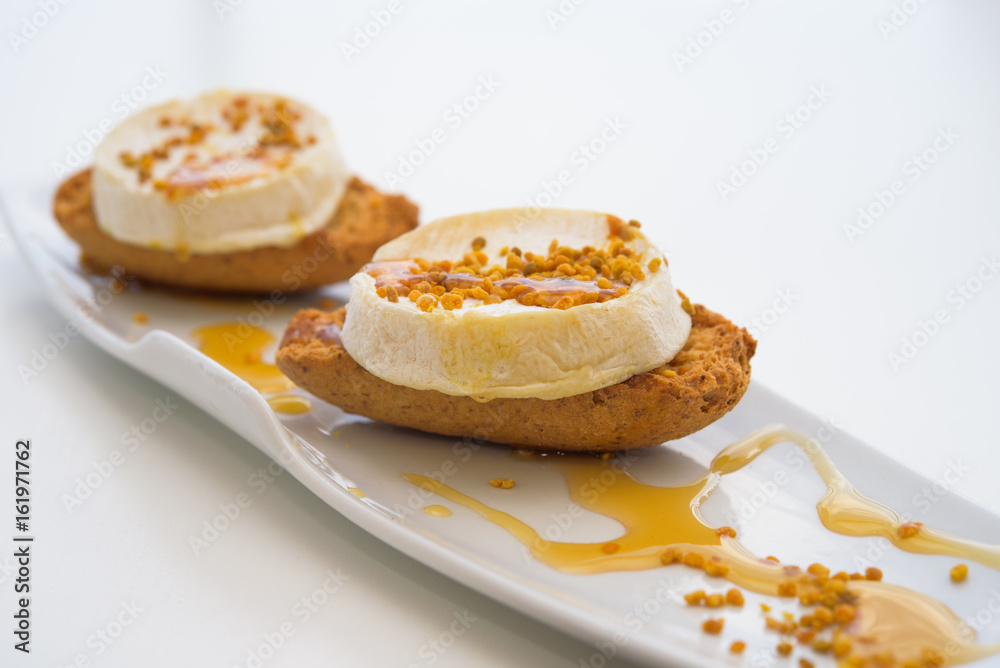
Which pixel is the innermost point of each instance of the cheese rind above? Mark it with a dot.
(488, 351)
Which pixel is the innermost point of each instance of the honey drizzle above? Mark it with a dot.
(239, 347)
(846, 511)
(405, 275)
(211, 174)
(657, 518)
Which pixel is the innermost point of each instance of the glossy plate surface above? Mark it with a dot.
(636, 614)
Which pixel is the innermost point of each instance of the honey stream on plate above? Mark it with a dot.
(239, 347)
(889, 619)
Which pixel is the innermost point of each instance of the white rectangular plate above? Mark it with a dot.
(640, 615)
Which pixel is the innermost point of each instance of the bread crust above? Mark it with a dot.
(711, 374)
(365, 220)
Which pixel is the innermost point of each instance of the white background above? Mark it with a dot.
(686, 128)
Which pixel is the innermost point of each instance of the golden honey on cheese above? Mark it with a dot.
(486, 305)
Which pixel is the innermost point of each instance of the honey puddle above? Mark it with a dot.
(437, 511)
(289, 404)
(664, 525)
(239, 347)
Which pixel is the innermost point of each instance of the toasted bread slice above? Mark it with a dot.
(701, 384)
(365, 220)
